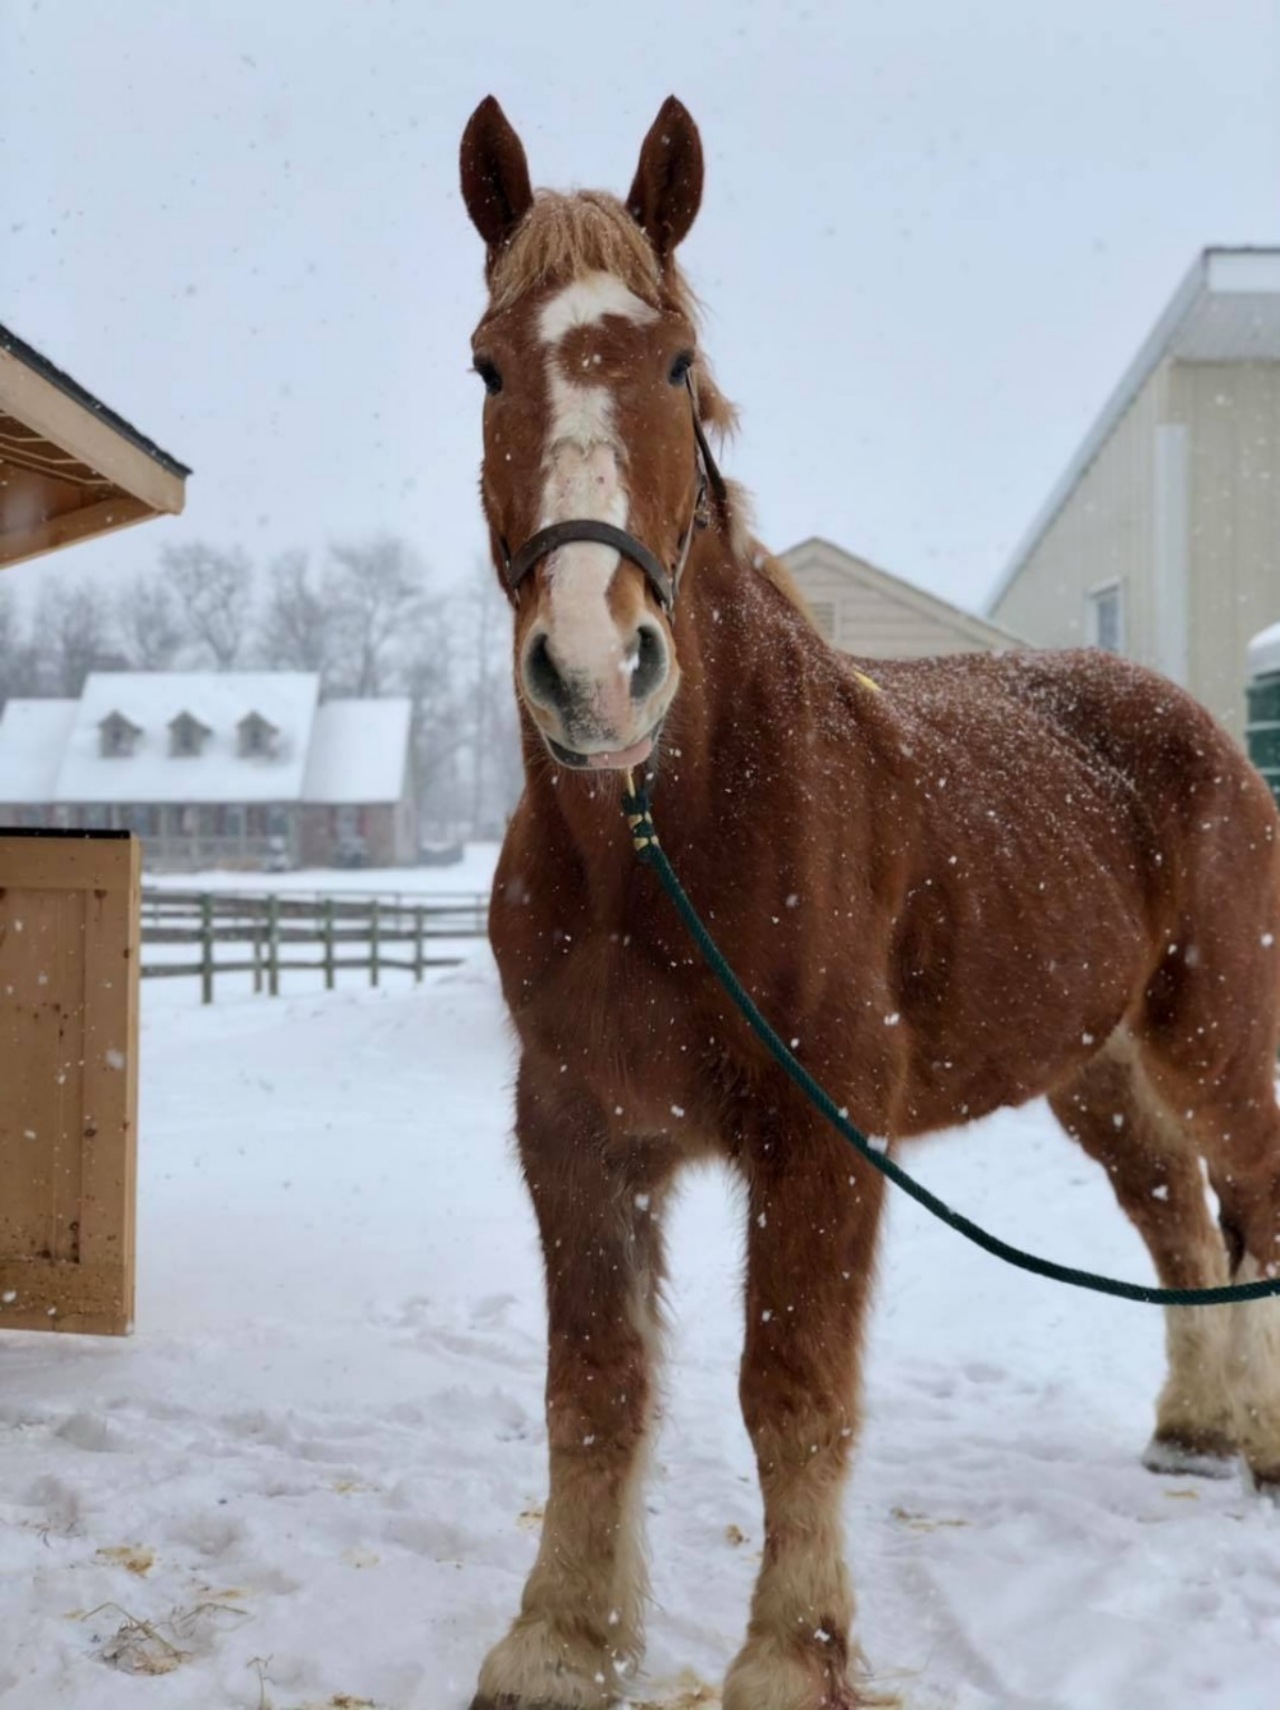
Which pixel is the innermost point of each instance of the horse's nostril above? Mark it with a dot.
(541, 676)
(650, 662)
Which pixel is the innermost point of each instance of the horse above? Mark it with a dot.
(958, 883)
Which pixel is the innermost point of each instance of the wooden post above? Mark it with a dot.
(255, 934)
(374, 924)
(418, 958)
(69, 940)
(206, 948)
(273, 946)
(328, 944)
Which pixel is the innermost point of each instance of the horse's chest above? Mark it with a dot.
(600, 1007)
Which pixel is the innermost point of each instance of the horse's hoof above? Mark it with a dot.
(507, 1702)
(1266, 1482)
(1185, 1457)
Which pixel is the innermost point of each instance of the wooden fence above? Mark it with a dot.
(268, 935)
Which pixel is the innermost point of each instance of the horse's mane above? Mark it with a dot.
(563, 237)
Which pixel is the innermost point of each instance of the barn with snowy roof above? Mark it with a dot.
(232, 769)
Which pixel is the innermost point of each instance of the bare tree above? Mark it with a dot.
(19, 663)
(214, 591)
(298, 623)
(377, 595)
(466, 728)
(147, 621)
(496, 772)
(73, 635)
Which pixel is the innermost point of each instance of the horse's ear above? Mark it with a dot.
(667, 190)
(495, 174)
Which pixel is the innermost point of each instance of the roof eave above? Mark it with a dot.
(1150, 354)
(75, 468)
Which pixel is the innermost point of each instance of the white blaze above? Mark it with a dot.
(582, 479)
(586, 302)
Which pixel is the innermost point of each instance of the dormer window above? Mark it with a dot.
(187, 736)
(117, 737)
(258, 737)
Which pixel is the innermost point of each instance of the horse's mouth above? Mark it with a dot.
(606, 760)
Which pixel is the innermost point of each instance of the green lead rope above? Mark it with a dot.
(635, 805)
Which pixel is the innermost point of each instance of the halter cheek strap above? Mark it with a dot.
(665, 583)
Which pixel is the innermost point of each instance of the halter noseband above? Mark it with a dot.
(665, 583)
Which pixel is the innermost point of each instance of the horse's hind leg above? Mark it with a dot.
(1237, 1122)
(1151, 1158)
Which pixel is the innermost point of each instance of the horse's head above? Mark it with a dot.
(588, 353)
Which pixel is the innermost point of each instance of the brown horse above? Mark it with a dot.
(969, 883)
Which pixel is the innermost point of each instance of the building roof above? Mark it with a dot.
(40, 364)
(1264, 652)
(70, 468)
(33, 739)
(152, 700)
(817, 553)
(359, 752)
(352, 751)
(1227, 309)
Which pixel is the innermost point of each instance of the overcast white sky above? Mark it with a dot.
(934, 233)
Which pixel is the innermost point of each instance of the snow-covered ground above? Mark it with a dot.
(312, 1478)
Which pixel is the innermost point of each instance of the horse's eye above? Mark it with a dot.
(488, 372)
(679, 372)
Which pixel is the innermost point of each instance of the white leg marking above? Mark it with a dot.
(1255, 1376)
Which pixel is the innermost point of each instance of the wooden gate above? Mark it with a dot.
(69, 910)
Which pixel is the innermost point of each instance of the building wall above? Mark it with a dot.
(1233, 412)
(1181, 507)
(1105, 532)
(382, 829)
(863, 617)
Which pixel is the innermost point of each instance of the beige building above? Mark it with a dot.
(863, 610)
(1162, 539)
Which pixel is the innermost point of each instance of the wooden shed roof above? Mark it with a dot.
(70, 468)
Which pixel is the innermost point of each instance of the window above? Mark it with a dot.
(187, 736)
(117, 737)
(1105, 618)
(257, 737)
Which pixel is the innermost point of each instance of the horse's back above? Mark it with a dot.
(1125, 731)
(1081, 824)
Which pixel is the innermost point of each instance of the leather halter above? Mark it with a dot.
(665, 583)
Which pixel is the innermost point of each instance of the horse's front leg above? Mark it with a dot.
(598, 1202)
(813, 1214)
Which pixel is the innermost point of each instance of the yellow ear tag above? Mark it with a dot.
(867, 682)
